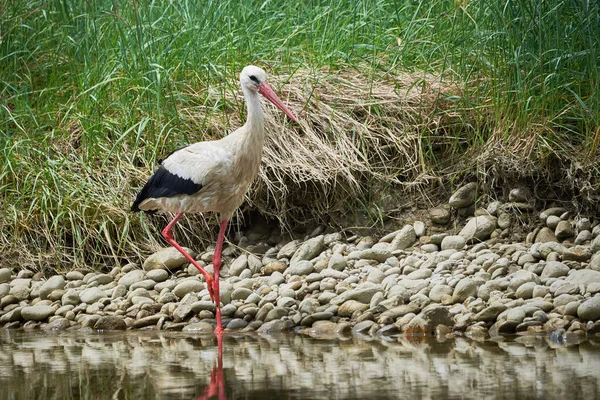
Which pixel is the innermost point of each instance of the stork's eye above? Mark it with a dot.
(254, 78)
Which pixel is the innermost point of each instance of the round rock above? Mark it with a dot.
(439, 215)
(554, 269)
(238, 265)
(167, 258)
(74, 276)
(405, 238)
(187, 286)
(349, 307)
(275, 266)
(199, 327)
(479, 228)
(4, 275)
(464, 288)
(131, 277)
(301, 267)
(337, 262)
(37, 313)
(589, 310)
(55, 282)
(158, 275)
(464, 196)
(91, 295)
(455, 242)
(564, 230)
(241, 293)
(110, 323)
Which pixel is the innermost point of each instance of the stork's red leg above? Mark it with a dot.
(169, 237)
(217, 265)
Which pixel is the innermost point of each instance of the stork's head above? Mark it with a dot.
(255, 79)
(252, 77)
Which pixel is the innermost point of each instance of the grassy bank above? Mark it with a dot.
(389, 93)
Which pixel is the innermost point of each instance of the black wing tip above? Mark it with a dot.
(164, 184)
(135, 208)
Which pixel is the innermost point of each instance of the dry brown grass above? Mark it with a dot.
(355, 134)
(361, 141)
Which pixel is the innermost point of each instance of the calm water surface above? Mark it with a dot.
(41, 365)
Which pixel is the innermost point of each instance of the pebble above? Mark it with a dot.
(519, 194)
(464, 196)
(464, 289)
(583, 277)
(595, 245)
(5, 274)
(276, 313)
(478, 228)
(300, 268)
(419, 228)
(405, 238)
(238, 265)
(552, 221)
(92, 295)
(545, 235)
(110, 323)
(131, 277)
(55, 282)
(371, 254)
(168, 258)
(337, 262)
(37, 312)
(440, 215)
(490, 313)
(275, 267)
(504, 221)
(554, 269)
(158, 275)
(308, 250)
(589, 310)
(453, 242)
(199, 327)
(59, 324)
(147, 284)
(74, 276)
(564, 230)
(349, 307)
(190, 285)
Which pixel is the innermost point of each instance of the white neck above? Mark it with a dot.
(255, 120)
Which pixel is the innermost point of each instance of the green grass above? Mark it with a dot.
(92, 93)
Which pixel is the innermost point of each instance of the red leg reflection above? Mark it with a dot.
(216, 387)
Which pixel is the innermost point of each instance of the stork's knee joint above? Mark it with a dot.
(167, 234)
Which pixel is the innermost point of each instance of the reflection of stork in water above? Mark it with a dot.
(216, 387)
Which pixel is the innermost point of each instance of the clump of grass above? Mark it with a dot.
(393, 94)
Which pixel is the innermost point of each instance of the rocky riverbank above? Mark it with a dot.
(502, 269)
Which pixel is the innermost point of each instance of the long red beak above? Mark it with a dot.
(270, 95)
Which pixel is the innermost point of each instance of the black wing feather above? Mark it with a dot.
(165, 184)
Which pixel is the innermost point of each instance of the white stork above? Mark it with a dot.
(212, 175)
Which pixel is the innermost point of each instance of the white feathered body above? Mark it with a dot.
(225, 168)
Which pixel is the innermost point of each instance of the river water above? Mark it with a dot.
(154, 365)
